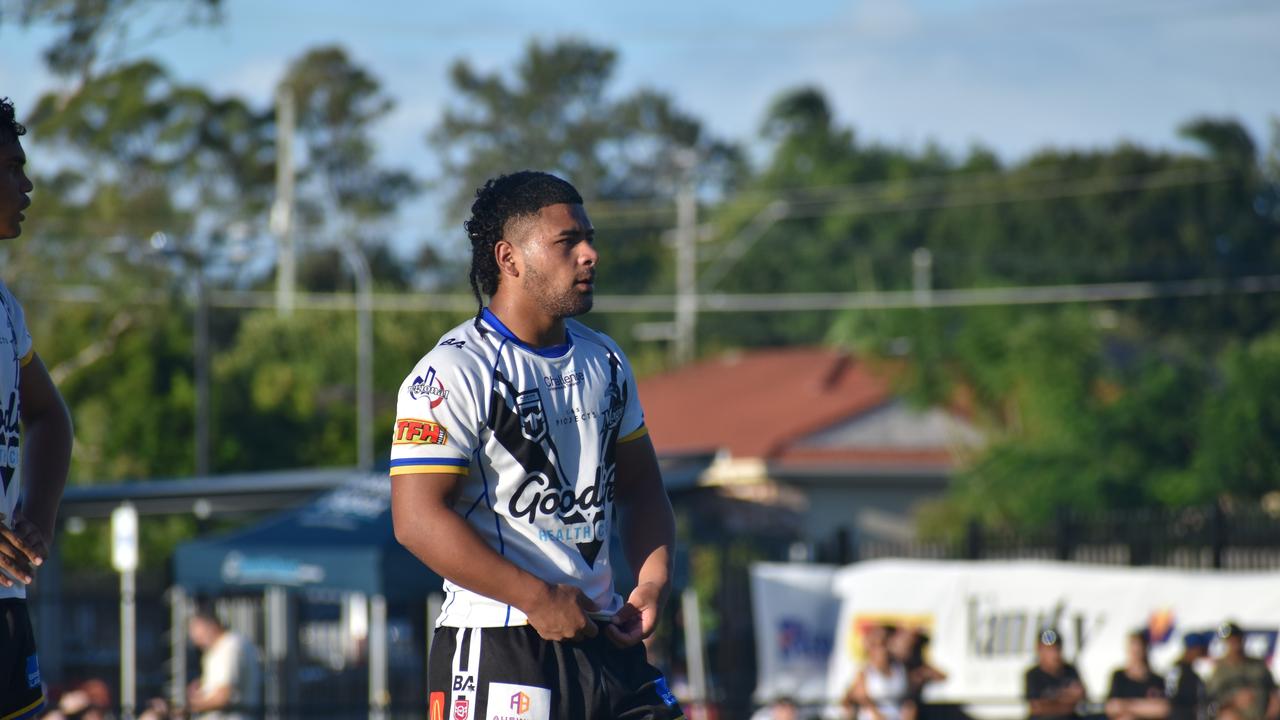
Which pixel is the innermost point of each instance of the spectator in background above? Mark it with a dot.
(881, 689)
(783, 708)
(1052, 688)
(1136, 692)
(1183, 686)
(230, 683)
(1240, 685)
(907, 646)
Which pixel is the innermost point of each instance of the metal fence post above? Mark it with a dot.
(973, 541)
(1218, 534)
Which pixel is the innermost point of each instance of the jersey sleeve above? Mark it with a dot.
(633, 427)
(437, 418)
(18, 320)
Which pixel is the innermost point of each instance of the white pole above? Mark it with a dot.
(282, 210)
(693, 646)
(686, 266)
(124, 558)
(364, 351)
(379, 695)
(128, 646)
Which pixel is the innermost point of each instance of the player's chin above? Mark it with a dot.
(583, 303)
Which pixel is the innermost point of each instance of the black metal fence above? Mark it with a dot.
(1211, 537)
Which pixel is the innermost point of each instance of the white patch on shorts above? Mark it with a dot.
(518, 702)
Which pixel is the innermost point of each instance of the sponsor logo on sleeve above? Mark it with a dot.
(429, 386)
(518, 702)
(33, 672)
(453, 342)
(437, 706)
(412, 431)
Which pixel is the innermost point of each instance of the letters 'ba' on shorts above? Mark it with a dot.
(21, 692)
(511, 673)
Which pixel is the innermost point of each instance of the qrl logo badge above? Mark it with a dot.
(533, 421)
(461, 709)
(520, 703)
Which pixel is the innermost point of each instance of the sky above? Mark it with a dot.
(1012, 75)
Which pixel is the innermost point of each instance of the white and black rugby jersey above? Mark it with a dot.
(15, 352)
(534, 431)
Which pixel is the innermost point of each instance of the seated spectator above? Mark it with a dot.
(1136, 692)
(881, 689)
(1241, 685)
(1052, 687)
(1183, 686)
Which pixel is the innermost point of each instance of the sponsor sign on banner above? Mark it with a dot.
(795, 612)
(983, 619)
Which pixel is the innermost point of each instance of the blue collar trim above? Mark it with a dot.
(554, 351)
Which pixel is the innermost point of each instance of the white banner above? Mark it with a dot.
(984, 617)
(795, 611)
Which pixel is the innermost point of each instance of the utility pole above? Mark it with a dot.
(202, 369)
(922, 276)
(282, 209)
(364, 350)
(686, 261)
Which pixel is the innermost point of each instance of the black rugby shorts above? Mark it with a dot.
(511, 673)
(21, 692)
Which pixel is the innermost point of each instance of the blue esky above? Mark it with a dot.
(1013, 75)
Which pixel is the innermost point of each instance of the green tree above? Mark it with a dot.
(554, 112)
(96, 34)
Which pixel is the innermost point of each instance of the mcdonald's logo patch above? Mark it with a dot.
(437, 706)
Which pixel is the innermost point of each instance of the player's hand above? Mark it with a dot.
(22, 550)
(637, 618)
(561, 614)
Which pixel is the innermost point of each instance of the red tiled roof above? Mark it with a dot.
(756, 404)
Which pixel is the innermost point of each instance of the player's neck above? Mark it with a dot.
(533, 328)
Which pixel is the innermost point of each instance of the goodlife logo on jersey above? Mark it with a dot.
(518, 702)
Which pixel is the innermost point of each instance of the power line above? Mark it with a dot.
(738, 302)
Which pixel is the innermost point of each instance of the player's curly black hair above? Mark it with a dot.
(10, 128)
(501, 200)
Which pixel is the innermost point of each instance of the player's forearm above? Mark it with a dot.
(46, 458)
(447, 544)
(649, 537)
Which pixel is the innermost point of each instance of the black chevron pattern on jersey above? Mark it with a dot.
(538, 458)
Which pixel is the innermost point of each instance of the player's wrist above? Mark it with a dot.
(537, 594)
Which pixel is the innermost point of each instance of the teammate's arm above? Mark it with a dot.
(46, 457)
(647, 529)
(426, 524)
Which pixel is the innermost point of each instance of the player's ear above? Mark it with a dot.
(505, 255)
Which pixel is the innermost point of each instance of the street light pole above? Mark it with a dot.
(202, 371)
(686, 320)
(364, 350)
